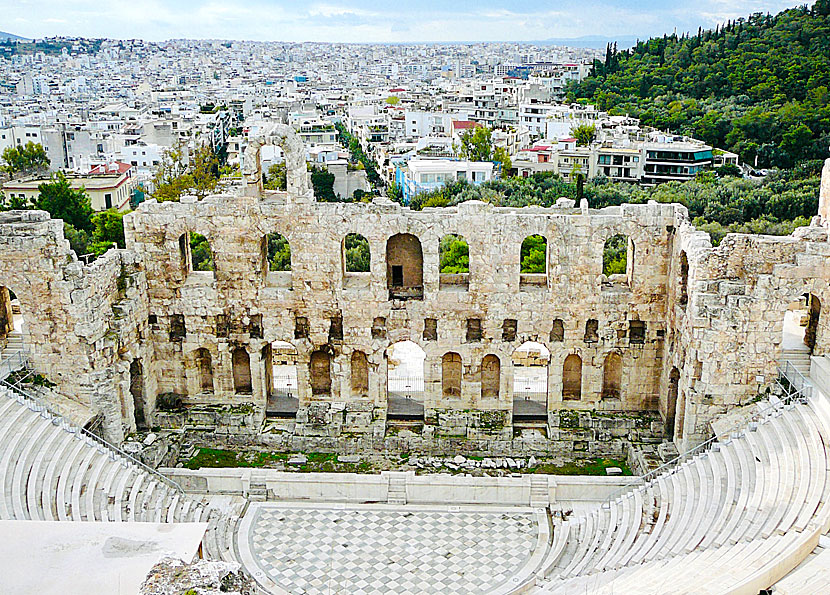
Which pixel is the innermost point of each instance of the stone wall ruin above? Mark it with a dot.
(690, 330)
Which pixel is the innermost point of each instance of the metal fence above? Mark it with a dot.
(405, 384)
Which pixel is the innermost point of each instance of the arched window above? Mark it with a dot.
(490, 377)
(241, 371)
(530, 381)
(404, 267)
(451, 370)
(572, 378)
(357, 257)
(360, 374)
(453, 262)
(612, 376)
(557, 331)
(320, 368)
(205, 367)
(533, 261)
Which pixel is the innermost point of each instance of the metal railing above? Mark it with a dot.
(35, 403)
(796, 389)
(406, 384)
(12, 363)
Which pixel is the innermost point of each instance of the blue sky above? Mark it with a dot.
(368, 21)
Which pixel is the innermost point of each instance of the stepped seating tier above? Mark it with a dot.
(733, 518)
(50, 470)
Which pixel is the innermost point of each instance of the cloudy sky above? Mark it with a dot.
(368, 21)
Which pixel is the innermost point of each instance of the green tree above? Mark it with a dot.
(200, 252)
(276, 178)
(393, 100)
(501, 155)
(476, 144)
(357, 254)
(533, 254)
(279, 253)
(173, 179)
(107, 231)
(584, 134)
(61, 201)
(25, 159)
(454, 255)
(323, 183)
(615, 255)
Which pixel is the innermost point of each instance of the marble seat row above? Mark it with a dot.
(51, 471)
(766, 485)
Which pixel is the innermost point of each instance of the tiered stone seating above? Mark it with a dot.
(49, 470)
(739, 515)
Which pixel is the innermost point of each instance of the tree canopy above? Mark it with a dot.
(24, 159)
(756, 86)
(64, 202)
(174, 178)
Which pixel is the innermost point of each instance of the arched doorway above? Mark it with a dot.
(242, 371)
(612, 376)
(320, 372)
(12, 325)
(405, 381)
(799, 333)
(490, 377)
(572, 378)
(137, 392)
(283, 398)
(530, 382)
(404, 267)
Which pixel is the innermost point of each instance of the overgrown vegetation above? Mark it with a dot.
(755, 86)
(351, 143)
(24, 159)
(358, 257)
(454, 255)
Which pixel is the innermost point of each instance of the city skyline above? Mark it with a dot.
(370, 22)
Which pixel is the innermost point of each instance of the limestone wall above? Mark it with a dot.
(80, 321)
(241, 306)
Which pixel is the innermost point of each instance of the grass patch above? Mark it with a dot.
(215, 457)
(582, 467)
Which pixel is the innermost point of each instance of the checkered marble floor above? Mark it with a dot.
(361, 550)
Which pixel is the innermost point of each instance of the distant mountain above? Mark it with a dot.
(592, 41)
(11, 37)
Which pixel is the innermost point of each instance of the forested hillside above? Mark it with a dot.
(756, 86)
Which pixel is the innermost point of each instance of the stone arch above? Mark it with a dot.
(800, 326)
(357, 256)
(297, 177)
(684, 279)
(451, 371)
(612, 376)
(204, 365)
(572, 378)
(320, 372)
(137, 392)
(405, 380)
(671, 401)
(404, 266)
(359, 374)
(283, 399)
(241, 371)
(490, 377)
(530, 381)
